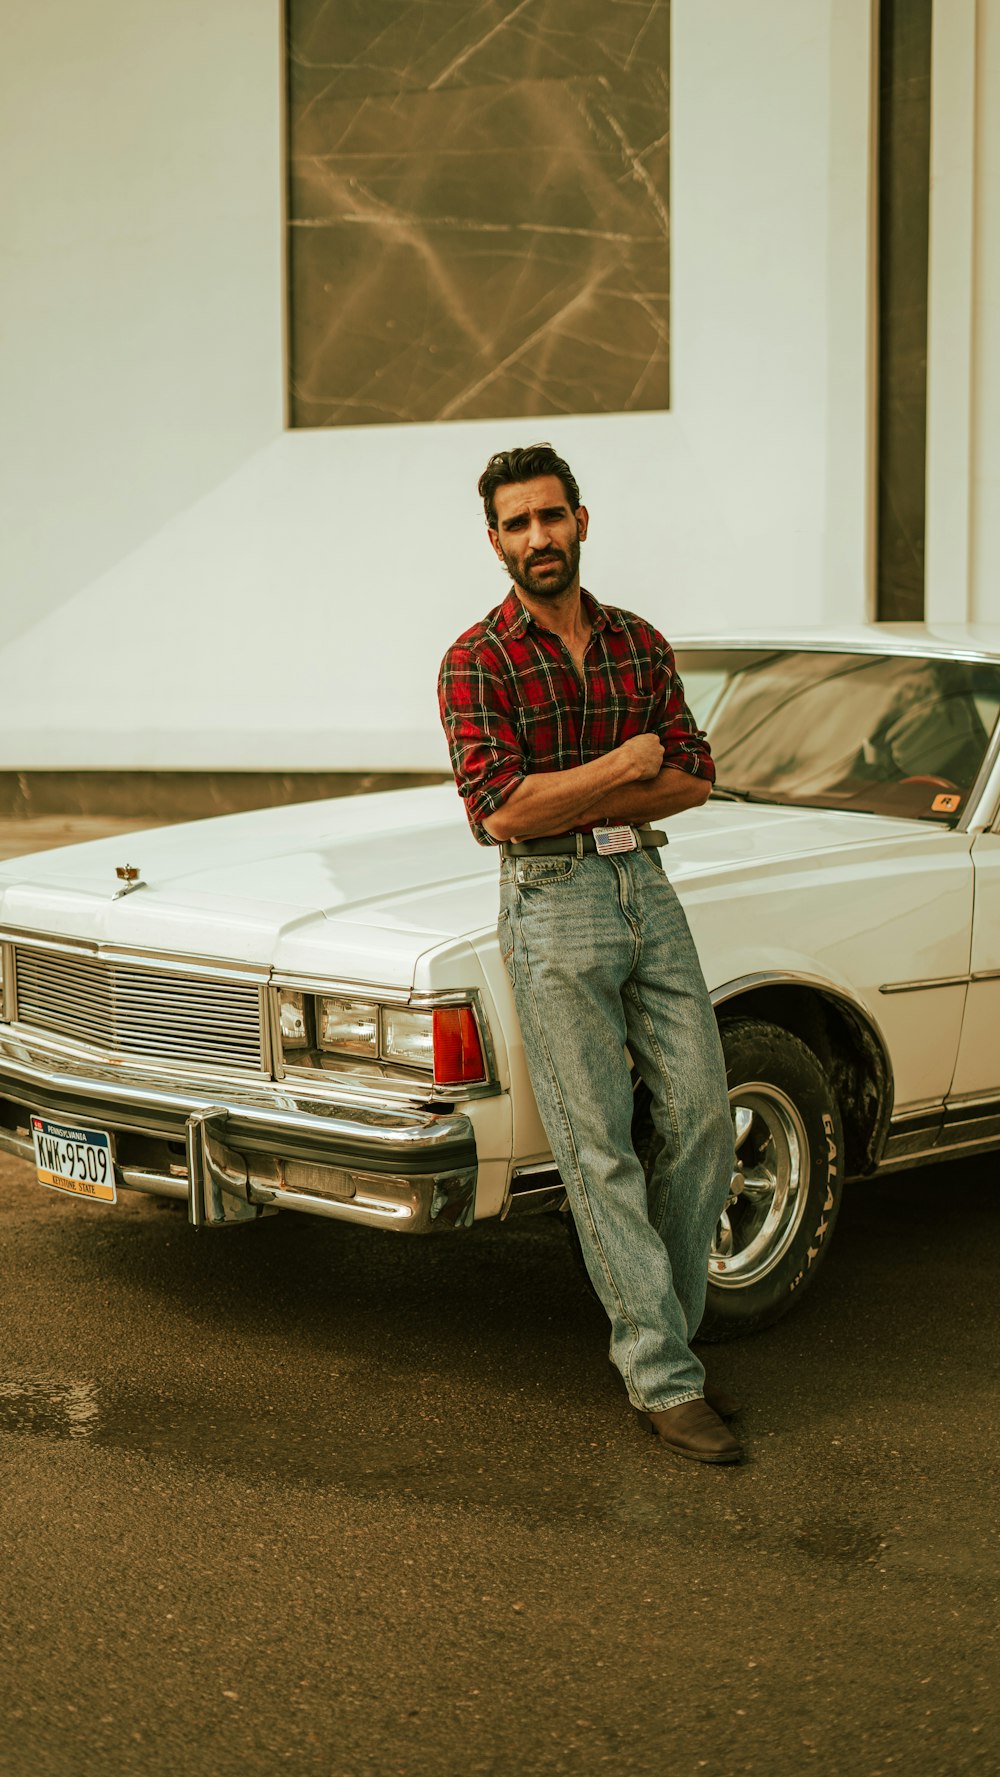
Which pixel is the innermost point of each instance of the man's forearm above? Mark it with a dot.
(651, 800)
(555, 801)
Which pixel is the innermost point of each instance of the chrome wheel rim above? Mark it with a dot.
(769, 1190)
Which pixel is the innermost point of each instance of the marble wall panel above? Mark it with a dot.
(478, 220)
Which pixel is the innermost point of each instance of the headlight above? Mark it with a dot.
(348, 1026)
(408, 1037)
(296, 1020)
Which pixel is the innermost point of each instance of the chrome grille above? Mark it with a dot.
(128, 1009)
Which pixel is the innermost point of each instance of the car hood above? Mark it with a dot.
(357, 888)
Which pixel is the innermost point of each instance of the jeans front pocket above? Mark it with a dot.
(540, 872)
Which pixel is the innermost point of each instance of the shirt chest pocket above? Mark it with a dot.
(631, 705)
(547, 728)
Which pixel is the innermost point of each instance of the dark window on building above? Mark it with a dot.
(904, 117)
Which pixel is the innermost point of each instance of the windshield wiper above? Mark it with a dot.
(729, 794)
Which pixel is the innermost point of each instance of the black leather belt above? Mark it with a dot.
(557, 844)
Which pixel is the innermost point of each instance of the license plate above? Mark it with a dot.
(71, 1158)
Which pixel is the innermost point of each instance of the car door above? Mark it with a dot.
(975, 1093)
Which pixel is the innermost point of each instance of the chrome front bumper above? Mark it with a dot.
(240, 1152)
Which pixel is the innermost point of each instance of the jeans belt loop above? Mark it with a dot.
(579, 845)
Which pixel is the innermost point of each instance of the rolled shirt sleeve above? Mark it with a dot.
(685, 746)
(481, 726)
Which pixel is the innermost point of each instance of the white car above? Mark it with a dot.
(304, 1008)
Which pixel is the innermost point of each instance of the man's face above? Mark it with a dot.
(538, 537)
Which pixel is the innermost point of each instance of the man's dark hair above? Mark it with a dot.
(523, 464)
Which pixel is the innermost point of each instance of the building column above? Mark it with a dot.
(951, 304)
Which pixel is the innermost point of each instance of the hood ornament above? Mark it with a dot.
(128, 874)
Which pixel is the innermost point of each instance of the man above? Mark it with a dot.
(569, 733)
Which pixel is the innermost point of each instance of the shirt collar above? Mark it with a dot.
(517, 617)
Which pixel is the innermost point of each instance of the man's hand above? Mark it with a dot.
(642, 756)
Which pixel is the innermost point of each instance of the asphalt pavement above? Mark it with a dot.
(312, 1497)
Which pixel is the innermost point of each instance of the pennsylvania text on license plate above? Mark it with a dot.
(69, 1158)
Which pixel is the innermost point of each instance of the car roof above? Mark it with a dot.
(959, 641)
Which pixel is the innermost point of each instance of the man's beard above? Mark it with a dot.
(552, 586)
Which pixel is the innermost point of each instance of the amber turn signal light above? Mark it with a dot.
(458, 1052)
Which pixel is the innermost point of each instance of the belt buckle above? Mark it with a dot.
(614, 839)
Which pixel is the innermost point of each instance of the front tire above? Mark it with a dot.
(776, 1227)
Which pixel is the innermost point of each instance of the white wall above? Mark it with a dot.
(951, 304)
(984, 592)
(141, 265)
(293, 616)
(963, 372)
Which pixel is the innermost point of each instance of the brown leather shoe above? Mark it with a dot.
(694, 1431)
(721, 1402)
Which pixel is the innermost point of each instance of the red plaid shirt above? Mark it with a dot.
(512, 702)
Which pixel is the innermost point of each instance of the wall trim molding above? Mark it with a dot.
(186, 795)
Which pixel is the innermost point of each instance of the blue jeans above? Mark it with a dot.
(599, 954)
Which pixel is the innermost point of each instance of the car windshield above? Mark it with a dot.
(881, 733)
